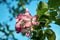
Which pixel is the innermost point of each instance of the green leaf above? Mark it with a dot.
(11, 32)
(41, 35)
(58, 16)
(41, 12)
(37, 27)
(57, 22)
(38, 35)
(42, 8)
(42, 5)
(47, 13)
(34, 35)
(53, 15)
(54, 3)
(50, 34)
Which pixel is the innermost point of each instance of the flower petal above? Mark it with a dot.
(28, 24)
(23, 30)
(27, 34)
(35, 23)
(18, 28)
(27, 13)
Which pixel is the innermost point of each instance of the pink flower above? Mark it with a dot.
(25, 21)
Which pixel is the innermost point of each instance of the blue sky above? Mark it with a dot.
(4, 17)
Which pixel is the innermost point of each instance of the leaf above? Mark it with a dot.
(47, 13)
(53, 15)
(58, 16)
(0, 2)
(57, 22)
(34, 35)
(0, 25)
(37, 27)
(42, 8)
(41, 35)
(5, 1)
(41, 12)
(54, 3)
(13, 8)
(11, 32)
(38, 35)
(22, 11)
(10, 11)
(23, 34)
(42, 5)
(47, 23)
(50, 34)
(11, 19)
(7, 26)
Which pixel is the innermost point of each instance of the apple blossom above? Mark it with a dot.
(24, 21)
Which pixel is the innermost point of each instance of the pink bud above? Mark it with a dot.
(27, 10)
(18, 29)
(27, 34)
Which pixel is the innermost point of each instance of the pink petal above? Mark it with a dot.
(23, 30)
(28, 24)
(27, 13)
(35, 18)
(27, 34)
(35, 23)
(17, 20)
(26, 19)
(27, 10)
(18, 23)
(31, 29)
(18, 28)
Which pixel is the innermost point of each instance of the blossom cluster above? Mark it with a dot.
(25, 23)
